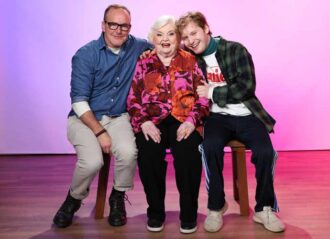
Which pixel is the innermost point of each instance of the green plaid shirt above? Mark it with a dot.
(238, 70)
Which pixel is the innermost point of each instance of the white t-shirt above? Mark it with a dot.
(216, 78)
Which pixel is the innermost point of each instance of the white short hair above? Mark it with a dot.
(159, 23)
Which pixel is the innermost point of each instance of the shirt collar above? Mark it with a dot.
(101, 43)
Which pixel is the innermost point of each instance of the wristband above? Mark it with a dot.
(101, 132)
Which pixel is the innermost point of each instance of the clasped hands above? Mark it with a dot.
(149, 129)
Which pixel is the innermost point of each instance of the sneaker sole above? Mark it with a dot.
(257, 220)
(155, 229)
(188, 231)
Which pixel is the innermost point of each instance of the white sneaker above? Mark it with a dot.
(214, 221)
(270, 221)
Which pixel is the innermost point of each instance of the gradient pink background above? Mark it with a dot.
(289, 42)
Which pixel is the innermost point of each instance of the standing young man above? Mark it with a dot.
(98, 123)
(236, 113)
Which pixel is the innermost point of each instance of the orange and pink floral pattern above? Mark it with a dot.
(158, 91)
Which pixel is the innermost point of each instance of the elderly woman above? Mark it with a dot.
(166, 112)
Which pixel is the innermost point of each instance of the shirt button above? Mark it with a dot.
(118, 78)
(111, 100)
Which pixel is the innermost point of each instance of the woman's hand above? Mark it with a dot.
(184, 130)
(150, 130)
(203, 90)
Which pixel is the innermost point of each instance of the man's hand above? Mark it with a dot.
(203, 90)
(184, 130)
(150, 130)
(146, 54)
(105, 142)
(88, 118)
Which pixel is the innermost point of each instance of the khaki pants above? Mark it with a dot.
(90, 158)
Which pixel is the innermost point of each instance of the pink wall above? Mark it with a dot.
(289, 41)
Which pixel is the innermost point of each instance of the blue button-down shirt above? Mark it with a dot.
(103, 78)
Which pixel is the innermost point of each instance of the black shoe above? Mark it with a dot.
(188, 227)
(64, 215)
(155, 225)
(117, 216)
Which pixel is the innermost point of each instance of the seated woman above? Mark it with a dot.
(166, 112)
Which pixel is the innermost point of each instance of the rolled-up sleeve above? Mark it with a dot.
(81, 76)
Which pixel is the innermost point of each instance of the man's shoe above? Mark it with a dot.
(214, 221)
(188, 227)
(64, 215)
(117, 216)
(154, 225)
(270, 221)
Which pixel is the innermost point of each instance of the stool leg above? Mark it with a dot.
(242, 181)
(234, 163)
(102, 187)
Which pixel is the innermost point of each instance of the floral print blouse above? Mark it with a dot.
(158, 91)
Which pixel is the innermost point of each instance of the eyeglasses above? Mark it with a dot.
(113, 26)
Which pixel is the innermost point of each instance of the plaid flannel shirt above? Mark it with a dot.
(238, 70)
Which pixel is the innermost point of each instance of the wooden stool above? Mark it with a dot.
(102, 186)
(240, 185)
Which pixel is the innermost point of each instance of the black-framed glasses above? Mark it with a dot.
(113, 26)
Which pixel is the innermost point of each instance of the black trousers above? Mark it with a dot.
(187, 164)
(219, 130)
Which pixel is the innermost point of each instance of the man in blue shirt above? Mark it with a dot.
(98, 123)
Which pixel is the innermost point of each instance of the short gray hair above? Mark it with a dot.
(159, 23)
(115, 6)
